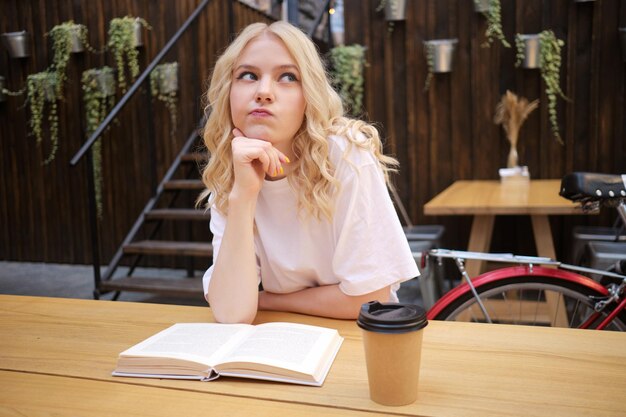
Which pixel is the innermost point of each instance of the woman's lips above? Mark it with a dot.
(260, 113)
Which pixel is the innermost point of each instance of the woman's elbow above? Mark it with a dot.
(228, 315)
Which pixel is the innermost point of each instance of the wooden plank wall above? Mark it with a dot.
(439, 136)
(447, 133)
(43, 209)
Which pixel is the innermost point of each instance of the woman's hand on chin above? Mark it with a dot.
(253, 159)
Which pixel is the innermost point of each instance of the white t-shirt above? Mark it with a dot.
(363, 248)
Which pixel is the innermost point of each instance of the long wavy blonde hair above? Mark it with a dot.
(313, 173)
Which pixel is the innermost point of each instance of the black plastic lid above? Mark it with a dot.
(391, 317)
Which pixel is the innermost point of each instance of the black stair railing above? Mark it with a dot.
(84, 150)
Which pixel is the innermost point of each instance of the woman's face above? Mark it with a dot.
(266, 98)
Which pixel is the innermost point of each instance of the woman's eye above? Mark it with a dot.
(247, 76)
(288, 77)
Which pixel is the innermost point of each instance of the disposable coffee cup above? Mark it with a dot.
(392, 338)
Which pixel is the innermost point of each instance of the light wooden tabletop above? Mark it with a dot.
(494, 197)
(51, 346)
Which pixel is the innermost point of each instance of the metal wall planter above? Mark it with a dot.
(440, 54)
(395, 10)
(531, 51)
(481, 6)
(17, 43)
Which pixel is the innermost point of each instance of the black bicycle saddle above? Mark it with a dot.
(588, 187)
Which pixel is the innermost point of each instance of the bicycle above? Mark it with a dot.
(543, 291)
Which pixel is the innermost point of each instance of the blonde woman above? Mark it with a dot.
(297, 192)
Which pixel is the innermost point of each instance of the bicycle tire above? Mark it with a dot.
(559, 298)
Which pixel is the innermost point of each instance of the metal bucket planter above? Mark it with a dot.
(481, 6)
(531, 51)
(105, 80)
(622, 40)
(395, 10)
(138, 33)
(17, 43)
(49, 87)
(167, 78)
(77, 42)
(440, 54)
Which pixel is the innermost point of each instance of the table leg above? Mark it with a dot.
(545, 247)
(480, 241)
(543, 236)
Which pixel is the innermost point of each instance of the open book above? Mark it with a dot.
(285, 352)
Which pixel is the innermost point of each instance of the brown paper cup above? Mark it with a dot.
(393, 366)
(393, 350)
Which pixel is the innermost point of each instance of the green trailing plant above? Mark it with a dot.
(164, 87)
(520, 47)
(429, 53)
(98, 86)
(550, 68)
(62, 43)
(494, 24)
(348, 63)
(14, 93)
(122, 44)
(41, 90)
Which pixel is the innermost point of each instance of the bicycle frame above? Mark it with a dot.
(611, 293)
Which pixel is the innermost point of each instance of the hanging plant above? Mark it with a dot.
(67, 37)
(494, 22)
(348, 63)
(98, 86)
(429, 53)
(8, 92)
(41, 89)
(122, 45)
(550, 68)
(164, 87)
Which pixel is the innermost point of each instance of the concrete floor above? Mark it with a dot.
(76, 281)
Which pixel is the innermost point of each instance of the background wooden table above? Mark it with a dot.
(485, 199)
(52, 346)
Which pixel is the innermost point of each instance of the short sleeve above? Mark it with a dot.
(372, 251)
(216, 225)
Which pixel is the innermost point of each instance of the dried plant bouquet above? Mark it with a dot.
(511, 112)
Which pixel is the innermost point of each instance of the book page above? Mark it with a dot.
(192, 341)
(292, 346)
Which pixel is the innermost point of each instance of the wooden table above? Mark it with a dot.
(486, 199)
(56, 358)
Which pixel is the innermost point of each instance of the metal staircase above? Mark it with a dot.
(181, 180)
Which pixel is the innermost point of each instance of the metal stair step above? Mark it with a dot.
(184, 185)
(178, 214)
(194, 157)
(168, 247)
(182, 287)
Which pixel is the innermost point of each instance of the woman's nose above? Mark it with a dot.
(264, 91)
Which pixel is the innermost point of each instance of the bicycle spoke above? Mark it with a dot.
(571, 322)
(537, 301)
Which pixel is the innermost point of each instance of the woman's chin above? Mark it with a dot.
(256, 133)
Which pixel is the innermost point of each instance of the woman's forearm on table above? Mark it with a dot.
(325, 301)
